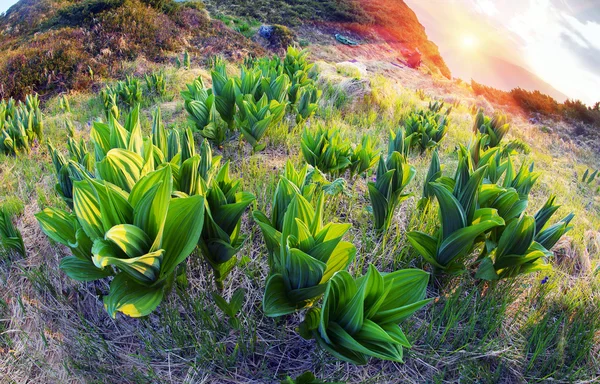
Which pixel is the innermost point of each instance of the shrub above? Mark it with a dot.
(53, 62)
(535, 102)
(575, 109)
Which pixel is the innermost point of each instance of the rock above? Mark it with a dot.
(266, 31)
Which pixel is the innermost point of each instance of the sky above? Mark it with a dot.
(557, 40)
(5, 4)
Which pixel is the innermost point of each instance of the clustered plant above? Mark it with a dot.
(326, 149)
(359, 317)
(305, 255)
(495, 128)
(20, 125)
(393, 175)
(426, 128)
(129, 93)
(134, 236)
(254, 101)
(484, 206)
(130, 203)
(155, 84)
(10, 237)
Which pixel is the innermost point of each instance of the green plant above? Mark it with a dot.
(549, 236)
(587, 177)
(10, 237)
(20, 125)
(224, 89)
(129, 91)
(200, 106)
(155, 83)
(307, 103)
(517, 252)
(433, 174)
(110, 101)
(523, 180)
(309, 255)
(67, 171)
(64, 104)
(359, 317)
(426, 128)
(326, 150)
(305, 378)
(292, 183)
(186, 60)
(276, 88)
(496, 158)
(364, 156)
(494, 128)
(232, 307)
(221, 237)
(122, 155)
(462, 222)
(296, 60)
(393, 175)
(258, 118)
(400, 142)
(135, 237)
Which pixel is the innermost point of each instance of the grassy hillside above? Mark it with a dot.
(53, 46)
(532, 328)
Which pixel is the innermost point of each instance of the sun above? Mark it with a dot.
(469, 42)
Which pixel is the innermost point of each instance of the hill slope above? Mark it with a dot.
(50, 46)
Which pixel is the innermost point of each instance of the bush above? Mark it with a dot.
(82, 12)
(535, 102)
(53, 62)
(575, 109)
(281, 37)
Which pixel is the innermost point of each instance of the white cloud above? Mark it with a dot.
(486, 7)
(541, 28)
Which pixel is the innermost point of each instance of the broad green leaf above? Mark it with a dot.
(184, 213)
(87, 209)
(132, 240)
(82, 270)
(131, 298)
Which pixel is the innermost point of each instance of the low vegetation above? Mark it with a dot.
(147, 209)
(535, 102)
